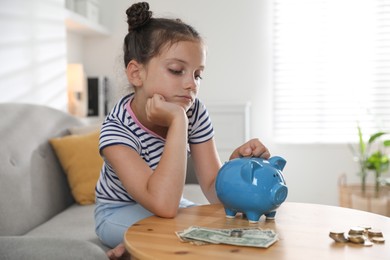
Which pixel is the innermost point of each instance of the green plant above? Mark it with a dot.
(377, 160)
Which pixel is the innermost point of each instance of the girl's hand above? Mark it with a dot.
(252, 148)
(161, 112)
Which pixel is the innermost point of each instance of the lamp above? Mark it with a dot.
(77, 104)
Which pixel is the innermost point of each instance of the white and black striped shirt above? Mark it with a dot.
(122, 127)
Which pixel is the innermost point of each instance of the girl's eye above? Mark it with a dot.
(182, 72)
(176, 72)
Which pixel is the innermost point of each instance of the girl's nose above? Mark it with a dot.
(191, 83)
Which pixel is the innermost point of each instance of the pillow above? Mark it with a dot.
(80, 159)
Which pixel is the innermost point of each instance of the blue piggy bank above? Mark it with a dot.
(253, 186)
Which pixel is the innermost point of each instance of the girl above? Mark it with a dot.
(146, 138)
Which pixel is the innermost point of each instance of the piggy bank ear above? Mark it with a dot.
(277, 162)
(248, 170)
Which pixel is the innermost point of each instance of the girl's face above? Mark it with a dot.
(176, 73)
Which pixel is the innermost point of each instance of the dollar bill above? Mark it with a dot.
(251, 237)
(183, 239)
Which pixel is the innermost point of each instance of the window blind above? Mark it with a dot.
(331, 69)
(33, 52)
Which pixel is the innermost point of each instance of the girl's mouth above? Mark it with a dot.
(186, 98)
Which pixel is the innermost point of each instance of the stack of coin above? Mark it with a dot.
(358, 235)
(356, 231)
(376, 236)
(338, 236)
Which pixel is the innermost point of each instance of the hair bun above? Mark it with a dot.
(138, 15)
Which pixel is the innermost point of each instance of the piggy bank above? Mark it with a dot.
(252, 186)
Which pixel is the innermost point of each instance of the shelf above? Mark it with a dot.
(79, 24)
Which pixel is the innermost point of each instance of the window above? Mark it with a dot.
(331, 64)
(33, 52)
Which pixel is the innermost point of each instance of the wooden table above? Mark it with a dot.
(303, 231)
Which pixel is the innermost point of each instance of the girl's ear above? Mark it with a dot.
(133, 72)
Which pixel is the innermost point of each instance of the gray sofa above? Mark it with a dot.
(39, 218)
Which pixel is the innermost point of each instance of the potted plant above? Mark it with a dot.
(376, 161)
(372, 158)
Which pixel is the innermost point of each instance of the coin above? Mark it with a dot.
(367, 242)
(336, 233)
(374, 233)
(356, 239)
(338, 237)
(366, 228)
(378, 240)
(356, 231)
(236, 233)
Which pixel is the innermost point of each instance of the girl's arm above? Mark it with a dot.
(158, 191)
(206, 165)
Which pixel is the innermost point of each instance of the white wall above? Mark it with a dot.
(238, 70)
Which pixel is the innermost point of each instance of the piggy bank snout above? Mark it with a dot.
(279, 193)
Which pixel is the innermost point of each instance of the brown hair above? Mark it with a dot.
(146, 35)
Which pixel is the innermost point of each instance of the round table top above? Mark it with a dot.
(303, 231)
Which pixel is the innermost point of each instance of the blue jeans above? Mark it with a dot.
(112, 220)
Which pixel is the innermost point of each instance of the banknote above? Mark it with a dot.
(225, 231)
(252, 237)
(183, 239)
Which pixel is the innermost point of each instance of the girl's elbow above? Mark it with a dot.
(165, 211)
(165, 207)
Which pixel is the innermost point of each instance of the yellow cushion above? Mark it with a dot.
(81, 162)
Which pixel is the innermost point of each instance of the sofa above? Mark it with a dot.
(41, 216)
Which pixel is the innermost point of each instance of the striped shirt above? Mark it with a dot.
(122, 127)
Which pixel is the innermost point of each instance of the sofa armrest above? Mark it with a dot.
(38, 248)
